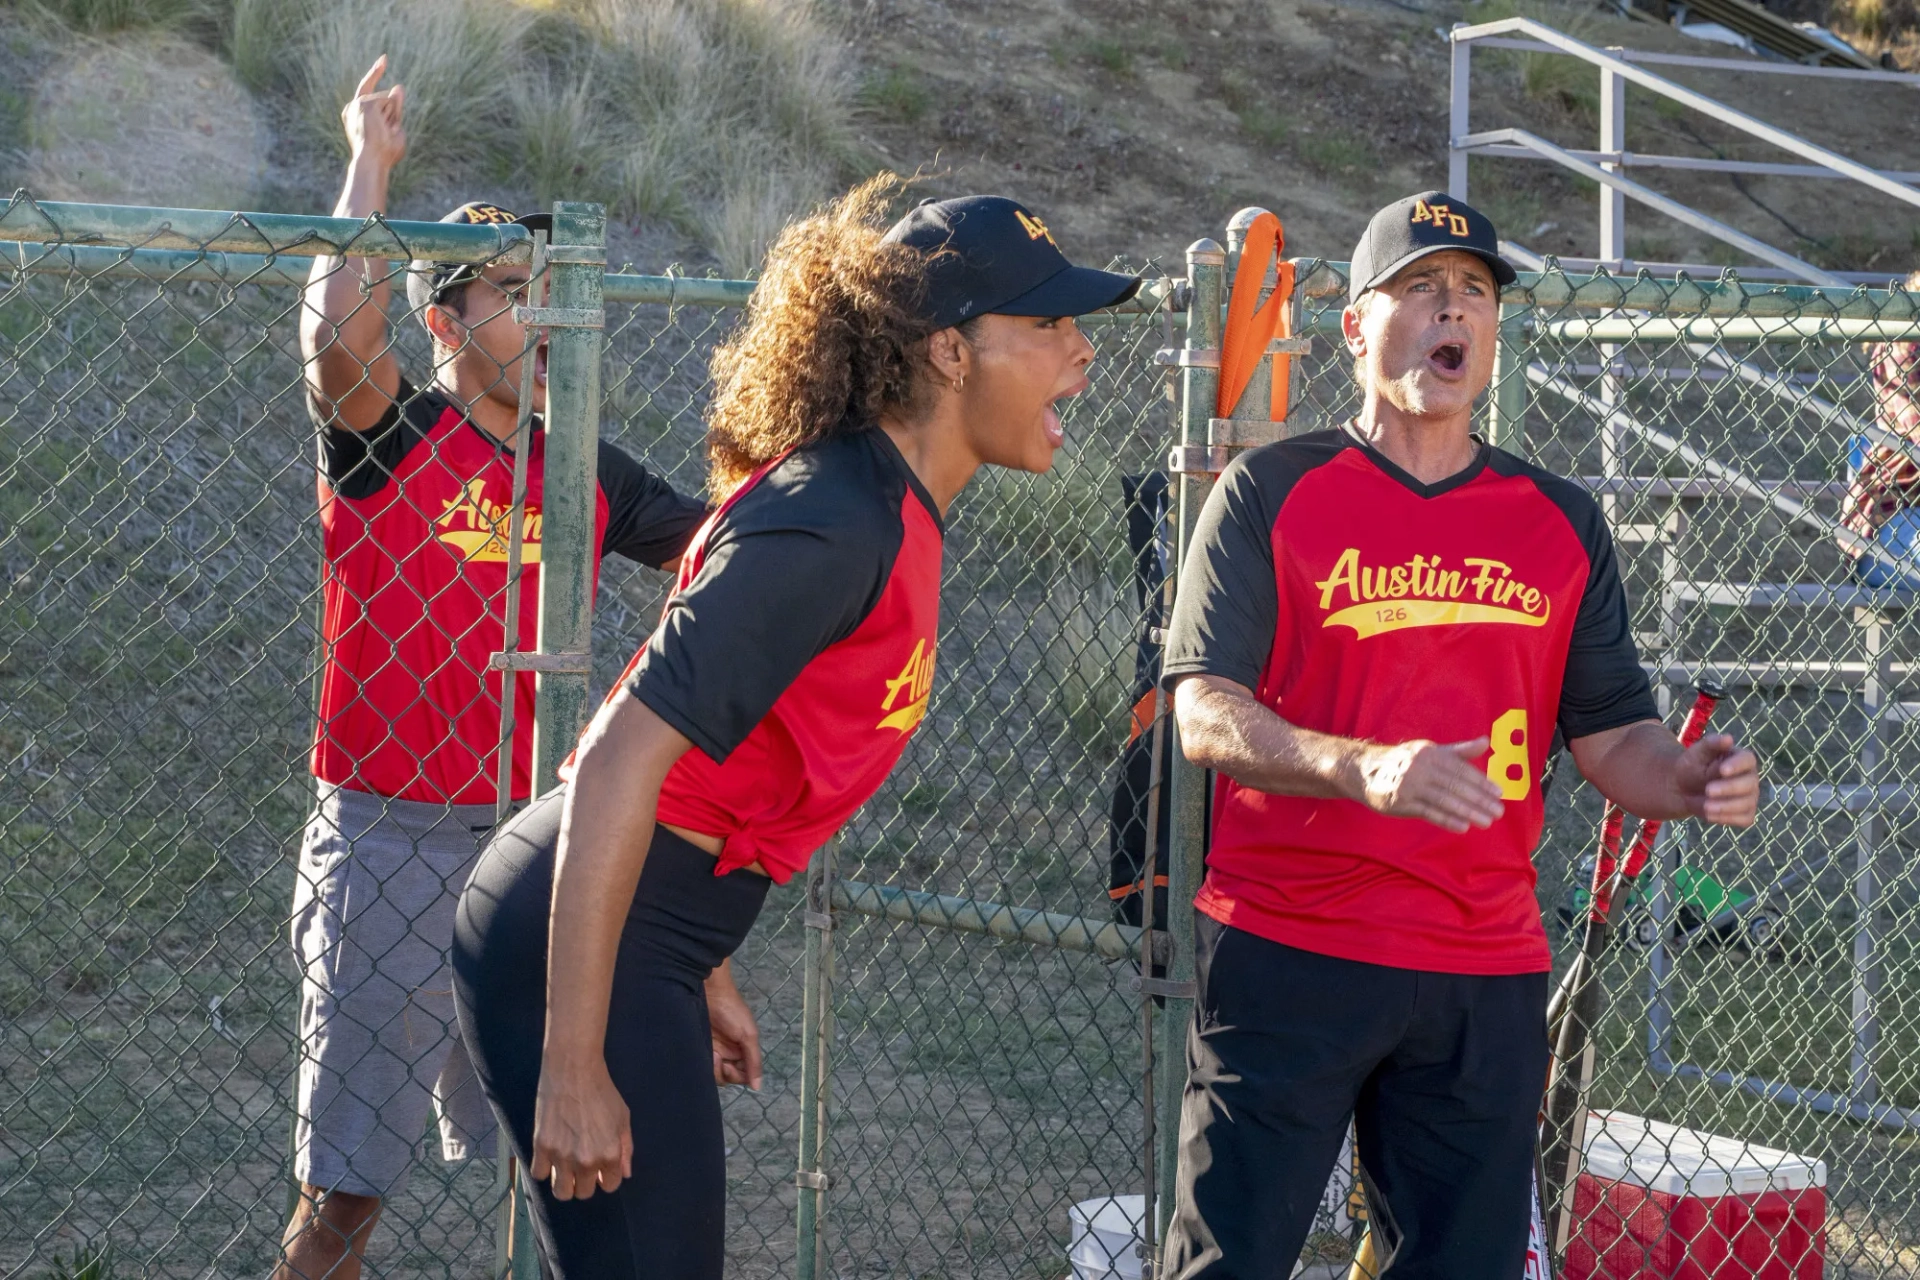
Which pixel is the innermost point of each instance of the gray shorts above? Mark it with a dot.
(373, 907)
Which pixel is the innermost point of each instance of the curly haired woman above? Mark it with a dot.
(876, 371)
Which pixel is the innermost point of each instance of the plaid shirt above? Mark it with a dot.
(1888, 481)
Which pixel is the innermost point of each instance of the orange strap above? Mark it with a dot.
(1251, 330)
(1142, 718)
(1128, 890)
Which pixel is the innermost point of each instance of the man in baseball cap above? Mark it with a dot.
(1379, 629)
(1419, 227)
(416, 500)
(430, 282)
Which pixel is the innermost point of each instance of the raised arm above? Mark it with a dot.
(1225, 728)
(582, 1134)
(351, 371)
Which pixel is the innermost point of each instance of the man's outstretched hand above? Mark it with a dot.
(374, 119)
(1719, 780)
(1437, 782)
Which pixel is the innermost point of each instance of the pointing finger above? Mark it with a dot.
(371, 81)
(1471, 749)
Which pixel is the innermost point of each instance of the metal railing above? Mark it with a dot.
(1606, 165)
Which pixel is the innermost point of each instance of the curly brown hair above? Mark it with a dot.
(834, 334)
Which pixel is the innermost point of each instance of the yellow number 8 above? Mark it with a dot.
(1508, 764)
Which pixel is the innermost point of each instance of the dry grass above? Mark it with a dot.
(738, 112)
(456, 58)
(723, 118)
(99, 17)
(565, 151)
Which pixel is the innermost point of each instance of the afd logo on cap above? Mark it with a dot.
(479, 211)
(1441, 216)
(1034, 228)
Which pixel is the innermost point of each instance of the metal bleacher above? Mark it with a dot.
(1809, 634)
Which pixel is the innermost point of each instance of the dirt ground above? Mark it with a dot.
(1139, 126)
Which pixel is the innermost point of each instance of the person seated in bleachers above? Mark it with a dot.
(1883, 494)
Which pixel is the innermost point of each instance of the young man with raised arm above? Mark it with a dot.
(1378, 629)
(416, 494)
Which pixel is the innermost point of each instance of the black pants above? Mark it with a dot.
(668, 1221)
(1440, 1073)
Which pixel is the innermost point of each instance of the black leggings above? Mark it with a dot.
(684, 921)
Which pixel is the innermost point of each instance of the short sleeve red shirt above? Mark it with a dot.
(415, 518)
(797, 650)
(1354, 600)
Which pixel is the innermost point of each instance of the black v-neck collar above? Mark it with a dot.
(1482, 456)
(535, 426)
(913, 478)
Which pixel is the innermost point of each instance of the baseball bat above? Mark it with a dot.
(1577, 1004)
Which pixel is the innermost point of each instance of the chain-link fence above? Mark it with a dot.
(973, 1082)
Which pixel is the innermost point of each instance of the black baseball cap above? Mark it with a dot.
(1407, 230)
(989, 254)
(427, 281)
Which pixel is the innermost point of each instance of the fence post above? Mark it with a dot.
(1187, 785)
(1507, 408)
(816, 1035)
(574, 318)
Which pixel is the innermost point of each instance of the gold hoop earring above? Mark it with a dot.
(960, 383)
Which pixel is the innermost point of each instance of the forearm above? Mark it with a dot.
(1637, 768)
(339, 316)
(604, 835)
(595, 872)
(1238, 737)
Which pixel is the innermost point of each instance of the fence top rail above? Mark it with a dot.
(184, 262)
(1319, 279)
(268, 234)
(1323, 279)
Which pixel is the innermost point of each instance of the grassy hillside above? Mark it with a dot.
(1135, 125)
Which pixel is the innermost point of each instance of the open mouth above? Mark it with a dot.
(1448, 357)
(540, 365)
(1056, 432)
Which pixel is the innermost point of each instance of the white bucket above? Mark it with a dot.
(1107, 1235)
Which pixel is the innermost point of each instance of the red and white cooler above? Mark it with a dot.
(1660, 1201)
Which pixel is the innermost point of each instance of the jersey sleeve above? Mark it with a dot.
(647, 519)
(770, 596)
(1228, 602)
(1604, 686)
(358, 464)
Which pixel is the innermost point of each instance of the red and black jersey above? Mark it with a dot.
(797, 650)
(1355, 600)
(415, 516)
